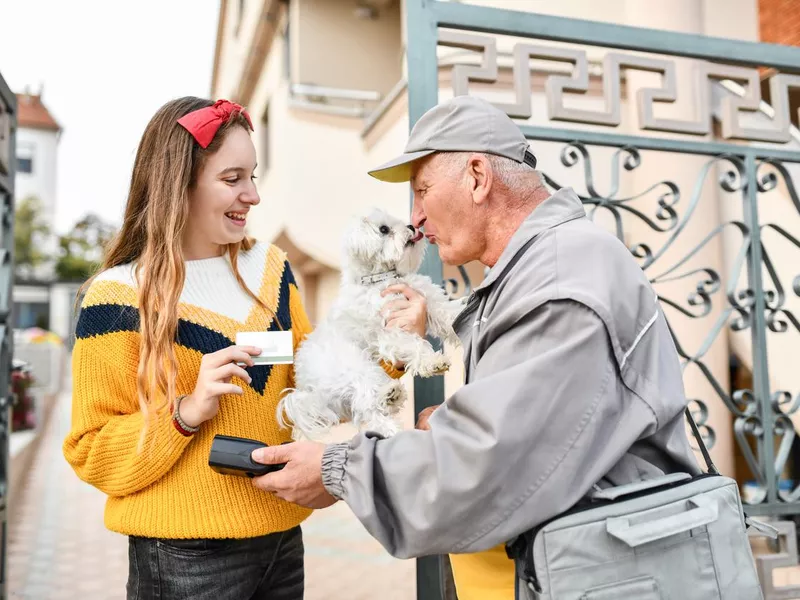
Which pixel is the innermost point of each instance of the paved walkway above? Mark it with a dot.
(60, 549)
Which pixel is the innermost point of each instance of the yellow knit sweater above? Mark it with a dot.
(167, 489)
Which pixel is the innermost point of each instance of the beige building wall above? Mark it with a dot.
(608, 11)
(315, 163)
(359, 53)
(238, 28)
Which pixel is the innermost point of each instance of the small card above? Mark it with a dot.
(276, 346)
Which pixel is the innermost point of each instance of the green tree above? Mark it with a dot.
(81, 250)
(30, 233)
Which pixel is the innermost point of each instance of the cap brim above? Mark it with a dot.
(399, 169)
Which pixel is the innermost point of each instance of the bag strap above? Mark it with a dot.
(514, 260)
(703, 450)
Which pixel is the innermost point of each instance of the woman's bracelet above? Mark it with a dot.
(179, 423)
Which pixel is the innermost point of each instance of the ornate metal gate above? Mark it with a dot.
(8, 127)
(702, 193)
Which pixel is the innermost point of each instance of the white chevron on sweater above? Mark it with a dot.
(210, 282)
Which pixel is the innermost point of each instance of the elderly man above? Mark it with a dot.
(572, 377)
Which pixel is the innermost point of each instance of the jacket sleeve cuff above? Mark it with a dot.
(333, 461)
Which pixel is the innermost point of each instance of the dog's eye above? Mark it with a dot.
(384, 229)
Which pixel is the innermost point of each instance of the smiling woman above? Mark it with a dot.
(155, 373)
(221, 197)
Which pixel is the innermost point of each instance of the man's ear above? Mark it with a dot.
(480, 177)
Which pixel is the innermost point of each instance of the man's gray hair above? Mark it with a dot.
(506, 170)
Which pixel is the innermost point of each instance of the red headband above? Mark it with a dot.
(204, 123)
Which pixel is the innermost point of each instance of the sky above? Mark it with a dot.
(105, 67)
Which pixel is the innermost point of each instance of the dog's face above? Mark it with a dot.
(380, 242)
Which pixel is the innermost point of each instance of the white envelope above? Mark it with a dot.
(276, 346)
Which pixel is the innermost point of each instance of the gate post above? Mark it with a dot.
(423, 93)
(8, 128)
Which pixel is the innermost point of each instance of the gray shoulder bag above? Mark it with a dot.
(673, 537)
(676, 537)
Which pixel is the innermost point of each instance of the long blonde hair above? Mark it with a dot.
(167, 164)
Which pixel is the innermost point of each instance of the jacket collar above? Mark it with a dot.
(564, 205)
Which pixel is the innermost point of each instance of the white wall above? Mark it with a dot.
(31, 293)
(62, 307)
(42, 146)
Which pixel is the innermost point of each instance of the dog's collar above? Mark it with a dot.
(378, 277)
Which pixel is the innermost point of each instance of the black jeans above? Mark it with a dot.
(262, 568)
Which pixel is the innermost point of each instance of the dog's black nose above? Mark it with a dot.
(412, 228)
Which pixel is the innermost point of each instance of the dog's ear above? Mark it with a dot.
(356, 244)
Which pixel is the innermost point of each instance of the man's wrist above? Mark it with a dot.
(333, 462)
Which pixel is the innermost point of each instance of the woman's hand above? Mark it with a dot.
(214, 379)
(409, 313)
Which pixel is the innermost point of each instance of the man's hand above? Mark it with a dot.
(409, 313)
(300, 481)
(424, 415)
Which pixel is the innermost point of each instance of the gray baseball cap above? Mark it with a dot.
(463, 124)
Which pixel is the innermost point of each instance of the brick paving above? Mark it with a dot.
(60, 549)
(58, 545)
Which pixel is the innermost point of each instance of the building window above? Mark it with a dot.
(24, 164)
(263, 159)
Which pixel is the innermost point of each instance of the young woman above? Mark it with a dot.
(155, 374)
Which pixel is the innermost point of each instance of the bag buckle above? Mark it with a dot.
(761, 528)
(516, 549)
(519, 550)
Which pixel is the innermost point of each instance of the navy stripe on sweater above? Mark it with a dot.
(102, 319)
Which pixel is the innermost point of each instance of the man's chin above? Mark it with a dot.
(446, 256)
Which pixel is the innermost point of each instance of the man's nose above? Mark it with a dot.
(417, 215)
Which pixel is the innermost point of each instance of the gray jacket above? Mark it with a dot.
(572, 380)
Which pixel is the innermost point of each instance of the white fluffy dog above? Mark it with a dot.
(338, 368)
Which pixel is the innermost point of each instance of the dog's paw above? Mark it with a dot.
(441, 365)
(393, 396)
(437, 364)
